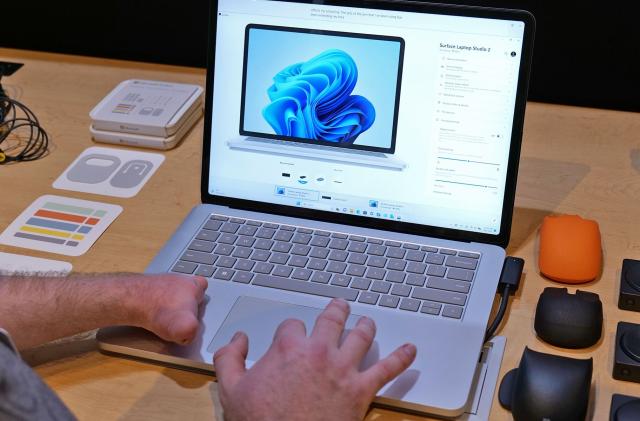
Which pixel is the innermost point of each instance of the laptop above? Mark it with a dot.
(279, 233)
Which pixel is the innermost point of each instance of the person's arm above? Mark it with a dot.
(307, 377)
(35, 310)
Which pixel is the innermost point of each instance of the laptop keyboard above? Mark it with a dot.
(397, 275)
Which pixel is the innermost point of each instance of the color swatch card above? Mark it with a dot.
(16, 264)
(60, 225)
(109, 172)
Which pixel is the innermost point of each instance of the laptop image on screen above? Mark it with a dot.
(329, 95)
(441, 89)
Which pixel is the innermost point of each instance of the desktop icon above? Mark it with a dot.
(373, 203)
(280, 190)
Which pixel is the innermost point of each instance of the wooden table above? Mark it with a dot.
(574, 160)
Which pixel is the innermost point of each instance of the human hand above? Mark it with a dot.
(307, 378)
(169, 304)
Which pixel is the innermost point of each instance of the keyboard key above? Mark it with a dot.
(230, 227)
(213, 225)
(260, 255)
(376, 250)
(322, 233)
(336, 267)
(376, 273)
(271, 225)
(206, 271)
(228, 239)
(430, 308)
(301, 238)
(460, 274)
(219, 218)
(317, 264)
(305, 230)
(356, 270)
(395, 276)
(396, 253)
(279, 258)
(281, 247)
(247, 230)
(298, 261)
(375, 241)
(267, 233)
(396, 264)
(415, 255)
(367, 297)
(357, 247)
(301, 274)
(300, 250)
(469, 254)
(244, 264)
(223, 249)
(439, 296)
(242, 252)
(341, 280)
(377, 261)
(449, 284)
(401, 290)
(312, 288)
(357, 258)
(455, 312)
(429, 249)
(461, 262)
(448, 252)
(283, 236)
(237, 220)
(392, 243)
(338, 244)
(254, 223)
(226, 262)
(435, 259)
(361, 283)
(409, 304)
(245, 241)
(207, 235)
(339, 236)
(184, 267)
(287, 228)
(389, 301)
(283, 271)
(204, 246)
(415, 279)
(224, 274)
(435, 270)
(338, 255)
(319, 253)
(242, 277)
(198, 257)
(263, 244)
(318, 241)
(381, 286)
(415, 267)
(411, 246)
(357, 238)
(321, 277)
(263, 267)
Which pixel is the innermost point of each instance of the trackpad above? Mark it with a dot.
(259, 319)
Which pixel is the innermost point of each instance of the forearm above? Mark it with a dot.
(36, 310)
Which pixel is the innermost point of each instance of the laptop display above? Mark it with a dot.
(333, 88)
(441, 94)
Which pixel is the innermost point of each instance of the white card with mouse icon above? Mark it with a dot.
(109, 172)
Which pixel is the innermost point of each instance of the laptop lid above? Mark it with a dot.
(441, 87)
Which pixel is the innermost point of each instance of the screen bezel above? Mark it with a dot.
(392, 146)
(501, 238)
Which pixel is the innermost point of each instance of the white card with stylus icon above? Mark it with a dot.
(109, 172)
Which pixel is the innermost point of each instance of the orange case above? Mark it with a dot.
(570, 249)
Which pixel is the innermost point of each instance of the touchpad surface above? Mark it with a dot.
(259, 319)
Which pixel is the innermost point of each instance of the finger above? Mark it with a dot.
(290, 329)
(359, 340)
(389, 368)
(229, 361)
(182, 327)
(201, 285)
(330, 323)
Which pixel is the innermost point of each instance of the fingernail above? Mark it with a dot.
(236, 336)
(409, 349)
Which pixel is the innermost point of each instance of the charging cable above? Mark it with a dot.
(507, 286)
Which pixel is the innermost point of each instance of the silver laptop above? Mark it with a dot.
(296, 211)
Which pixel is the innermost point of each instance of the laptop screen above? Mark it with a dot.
(334, 88)
(382, 115)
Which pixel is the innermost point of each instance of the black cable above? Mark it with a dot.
(22, 138)
(507, 286)
(504, 301)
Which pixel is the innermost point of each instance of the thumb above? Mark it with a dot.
(229, 361)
